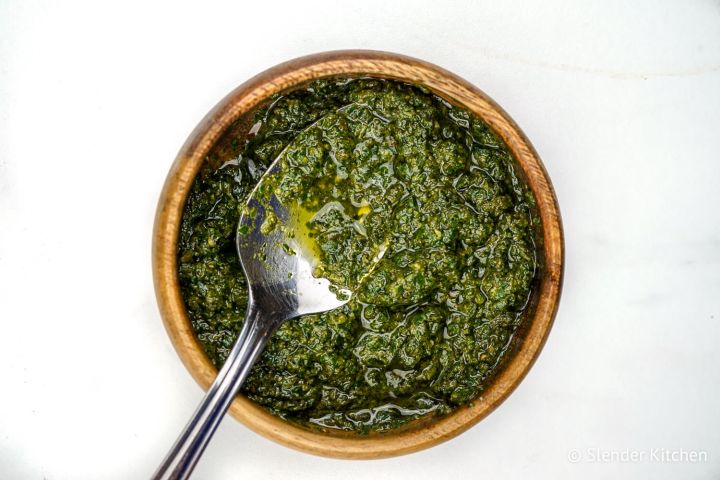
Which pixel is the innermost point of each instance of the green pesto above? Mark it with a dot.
(382, 167)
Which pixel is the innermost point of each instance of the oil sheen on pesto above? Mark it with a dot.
(381, 168)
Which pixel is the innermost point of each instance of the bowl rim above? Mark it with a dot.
(384, 65)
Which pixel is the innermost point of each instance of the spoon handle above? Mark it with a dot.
(185, 453)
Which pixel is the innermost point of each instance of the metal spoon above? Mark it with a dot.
(281, 287)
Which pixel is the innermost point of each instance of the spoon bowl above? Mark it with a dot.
(277, 265)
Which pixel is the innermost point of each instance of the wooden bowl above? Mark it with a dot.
(528, 342)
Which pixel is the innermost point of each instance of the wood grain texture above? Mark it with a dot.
(416, 435)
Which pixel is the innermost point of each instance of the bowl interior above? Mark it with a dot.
(233, 117)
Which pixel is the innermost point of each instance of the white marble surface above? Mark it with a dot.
(621, 99)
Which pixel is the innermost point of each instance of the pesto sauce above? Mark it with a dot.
(384, 166)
